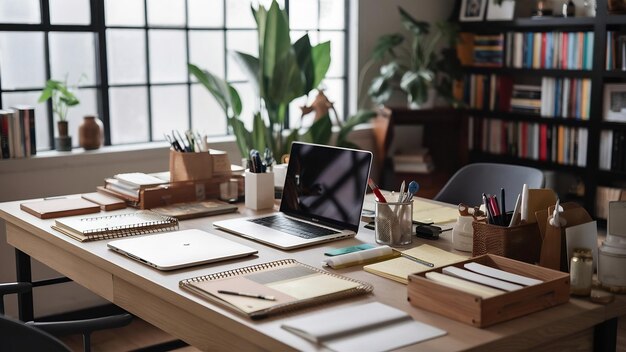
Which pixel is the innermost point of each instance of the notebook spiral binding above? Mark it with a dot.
(159, 223)
(363, 287)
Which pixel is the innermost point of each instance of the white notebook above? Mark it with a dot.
(375, 326)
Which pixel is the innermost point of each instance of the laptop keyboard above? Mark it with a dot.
(293, 227)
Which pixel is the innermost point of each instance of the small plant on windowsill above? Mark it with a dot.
(62, 99)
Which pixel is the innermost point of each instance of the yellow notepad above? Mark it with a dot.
(288, 283)
(399, 269)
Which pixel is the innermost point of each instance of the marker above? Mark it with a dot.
(243, 294)
(378, 195)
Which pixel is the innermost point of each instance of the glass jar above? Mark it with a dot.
(581, 272)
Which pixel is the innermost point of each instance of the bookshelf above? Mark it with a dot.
(563, 129)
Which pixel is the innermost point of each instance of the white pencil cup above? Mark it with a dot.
(259, 188)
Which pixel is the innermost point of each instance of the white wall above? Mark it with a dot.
(79, 172)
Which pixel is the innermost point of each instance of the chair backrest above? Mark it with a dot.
(17, 336)
(469, 183)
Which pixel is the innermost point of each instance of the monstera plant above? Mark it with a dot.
(282, 72)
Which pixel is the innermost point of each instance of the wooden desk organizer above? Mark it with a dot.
(470, 309)
(190, 166)
(522, 242)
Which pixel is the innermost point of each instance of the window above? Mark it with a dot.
(129, 59)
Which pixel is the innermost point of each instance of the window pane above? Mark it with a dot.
(169, 110)
(207, 117)
(20, 11)
(332, 13)
(22, 60)
(205, 13)
(128, 115)
(124, 12)
(70, 12)
(303, 14)
(168, 58)
(41, 114)
(88, 106)
(333, 88)
(295, 112)
(249, 101)
(72, 55)
(244, 41)
(336, 68)
(206, 50)
(166, 12)
(126, 56)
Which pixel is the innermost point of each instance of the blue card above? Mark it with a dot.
(346, 250)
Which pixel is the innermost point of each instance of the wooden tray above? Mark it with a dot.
(470, 309)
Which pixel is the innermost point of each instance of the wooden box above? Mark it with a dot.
(467, 308)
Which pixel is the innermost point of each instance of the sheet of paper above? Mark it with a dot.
(582, 236)
(424, 211)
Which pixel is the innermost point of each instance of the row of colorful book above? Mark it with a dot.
(566, 98)
(487, 92)
(529, 140)
(549, 50)
(17, 132)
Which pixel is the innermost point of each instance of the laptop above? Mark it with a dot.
(322, 199)
(180, 249)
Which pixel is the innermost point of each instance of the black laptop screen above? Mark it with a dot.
(326, 184)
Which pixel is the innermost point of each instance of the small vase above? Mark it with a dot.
(90, 134)
(63, 142)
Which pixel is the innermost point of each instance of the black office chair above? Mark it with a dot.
(469, 183)
(37, 336)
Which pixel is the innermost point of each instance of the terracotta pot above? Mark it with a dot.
(62, 128)
(90, 133)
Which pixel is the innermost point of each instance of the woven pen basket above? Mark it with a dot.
(521, 242)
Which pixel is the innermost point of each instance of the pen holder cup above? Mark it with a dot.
(394, 223)
(190, 166)
(522, 242)
(259, 190)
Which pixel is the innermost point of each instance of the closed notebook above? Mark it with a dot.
(400, 268)
(105, 201)
(371, 326)
(192, 210)
(114, 226)
(60, 207)
(291, 284)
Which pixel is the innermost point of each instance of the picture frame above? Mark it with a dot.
(615, 102)
(472, 10)
(505, 11)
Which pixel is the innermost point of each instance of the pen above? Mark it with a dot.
(524, 203)
(378, 195)
(251, 295)
(415, 259)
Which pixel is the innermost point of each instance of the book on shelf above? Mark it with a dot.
(285, 285)
(60, 207)
(113, 226)
(550, 50)
(615, 51)
(375, 325)
(17, 132)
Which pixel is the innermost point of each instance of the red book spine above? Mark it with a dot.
(543, 142)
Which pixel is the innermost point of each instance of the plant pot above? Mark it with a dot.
(90, 133)
(63, 142)
(62, 128)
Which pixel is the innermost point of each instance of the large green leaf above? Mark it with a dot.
(385, 45)
(259, 133)
(411, 24)
(251, 67)
(320, 131)
(321, 62)
(274, 41)
(242, 135)
(304, 57)
(224, 93)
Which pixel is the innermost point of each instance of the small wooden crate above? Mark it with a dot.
(467, 308)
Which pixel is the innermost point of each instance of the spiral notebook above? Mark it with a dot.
(276, 287)
(113, 226)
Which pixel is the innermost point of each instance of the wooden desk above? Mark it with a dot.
(155, 296)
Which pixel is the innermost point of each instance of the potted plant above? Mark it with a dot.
(420, 69)
(62, 100)
(281, 73)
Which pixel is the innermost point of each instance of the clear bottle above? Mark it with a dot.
(581, 272)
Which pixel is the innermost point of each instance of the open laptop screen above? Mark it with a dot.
(326, 184)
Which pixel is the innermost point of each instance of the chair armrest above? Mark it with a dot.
(85, 326)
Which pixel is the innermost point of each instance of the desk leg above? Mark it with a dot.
(23, 273)
(605, 336)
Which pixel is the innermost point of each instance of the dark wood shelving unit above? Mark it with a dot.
(590, 175)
